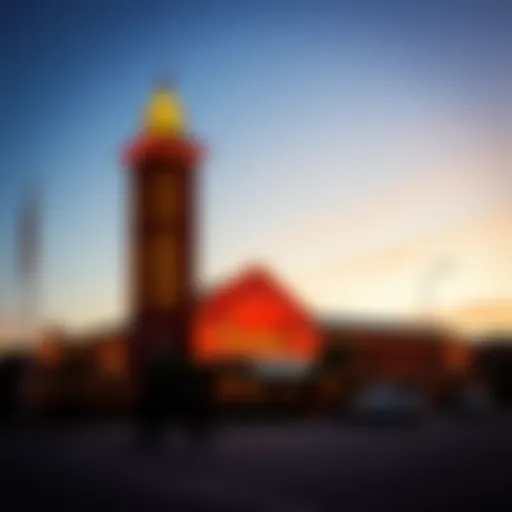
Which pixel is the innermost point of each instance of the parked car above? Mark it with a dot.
(387, 404)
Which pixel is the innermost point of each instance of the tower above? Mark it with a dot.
(162, 228)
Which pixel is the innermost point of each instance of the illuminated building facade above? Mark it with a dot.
(255, 320)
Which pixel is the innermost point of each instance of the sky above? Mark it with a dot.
(351, 145)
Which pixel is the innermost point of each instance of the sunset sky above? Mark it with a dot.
(352, 145)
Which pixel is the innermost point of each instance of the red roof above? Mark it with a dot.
(256, 279)
(255, 318)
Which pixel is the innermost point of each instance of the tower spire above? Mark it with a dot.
(165, 115)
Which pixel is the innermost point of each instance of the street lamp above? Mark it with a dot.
(435, 273)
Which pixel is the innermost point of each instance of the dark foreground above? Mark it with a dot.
(305, 467)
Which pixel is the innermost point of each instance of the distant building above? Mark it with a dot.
(77, 374)
(386, 351)
(430, 359)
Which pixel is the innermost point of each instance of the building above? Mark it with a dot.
(266, 348)
(79, 375)
(254, 319)
(431, 359)
(263, 342)
(162, 162)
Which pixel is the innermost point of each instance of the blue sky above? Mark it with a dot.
(307, 107)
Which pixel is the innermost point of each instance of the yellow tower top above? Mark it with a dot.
(165, 115)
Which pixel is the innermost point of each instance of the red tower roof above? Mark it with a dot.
(164, 135)
(182, 151)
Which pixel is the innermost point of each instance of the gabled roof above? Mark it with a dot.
(253, 277)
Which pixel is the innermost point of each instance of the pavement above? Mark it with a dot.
(309, 467)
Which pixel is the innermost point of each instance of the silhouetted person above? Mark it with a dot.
(199, 420)
(153, 407)
(175, 392)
